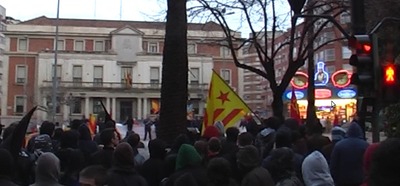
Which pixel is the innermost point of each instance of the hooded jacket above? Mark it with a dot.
(347, 157)
(47, 170)
(316, 170)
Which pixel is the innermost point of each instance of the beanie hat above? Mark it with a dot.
(248, 156)
(187, 156)
(338, 133)
(43, 143)
(211, 131)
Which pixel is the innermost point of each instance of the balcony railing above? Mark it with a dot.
(117, 85)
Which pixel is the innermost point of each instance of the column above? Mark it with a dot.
(66, 112)
(108, 103)
(87, 107)
(145, 109)
(113, 108)
(139, 108)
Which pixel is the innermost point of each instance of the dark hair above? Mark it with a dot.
(214, 144)
(232, 134)
(219, 172)
(69, 139)
(84, 133)
(245, 138)
(157, 149)
(280, 164)
(58, 133)
(272, 122)
(107, 135)
(283, 137)
(385, 164)
(133, 140)
(47, 128)
(96, 172)
(75, 124)
(292, 124)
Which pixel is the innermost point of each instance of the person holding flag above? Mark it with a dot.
(294, 108)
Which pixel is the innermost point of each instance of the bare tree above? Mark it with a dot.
(263, 14)
(174, 89)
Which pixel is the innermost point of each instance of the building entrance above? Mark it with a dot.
(126, 109)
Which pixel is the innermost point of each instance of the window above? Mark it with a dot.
(99, 46)
(126, 73)
(79, 45)
(347, 67)
(98, 75)
(328, 36)
(22, 44)
(346, 52)
(345, 18)
(59, 72)
(97, 108)
(60, 45)
(331, 69)
(226, 75)
(77, 75)
(330, 55)
(76, 106)
(225, 52)
(191, 48)
(154, 75)
(21, 75)
(19, 104)
(153, 47)
(246, 97)
(194, 74)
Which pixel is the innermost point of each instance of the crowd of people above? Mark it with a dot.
(274, 153)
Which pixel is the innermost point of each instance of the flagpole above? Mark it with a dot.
(230, 88)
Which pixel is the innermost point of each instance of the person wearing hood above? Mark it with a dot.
(85, 143)
(337, 134)
(188, 169)
(347, 158)
(315, 170)
(153, 168)
(6, 168)
(47, 170)
(123, 171)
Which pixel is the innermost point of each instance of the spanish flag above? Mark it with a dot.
(155, 106)
(294, 108)
(92, 124)
(223, 104)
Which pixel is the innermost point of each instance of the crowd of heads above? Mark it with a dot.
(274, 152)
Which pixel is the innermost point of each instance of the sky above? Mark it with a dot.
(134, 10)
(137, 10)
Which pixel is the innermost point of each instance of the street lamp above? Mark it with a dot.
(54, 90)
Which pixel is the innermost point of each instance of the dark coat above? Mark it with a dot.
(5, 182)
(87, 147)
(125, 177)
(103, 157)
(196, 176)
(347, 157)
(257, 177)
(153, 171)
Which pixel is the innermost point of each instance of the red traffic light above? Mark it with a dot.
(389, 74)
(366, 47)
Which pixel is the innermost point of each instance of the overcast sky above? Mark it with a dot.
(86, 9)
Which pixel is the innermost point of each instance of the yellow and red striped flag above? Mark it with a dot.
(223, 104)
(92, 124)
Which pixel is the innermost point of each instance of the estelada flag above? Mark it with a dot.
(92, 124)
(223, 104)
(294, 108)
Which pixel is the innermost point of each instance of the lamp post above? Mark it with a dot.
(54, 90)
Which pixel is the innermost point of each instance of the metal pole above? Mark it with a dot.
(54, 90)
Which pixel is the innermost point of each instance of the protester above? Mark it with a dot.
(47, 170)
(219, 173)
(109, 140)
(316, 170)
(385, 164)
(147, 127)
(134, 140)
(368, 161)
(85, 144)
(153, 169)
(347, 158)
(337, 134)
(123, 171)
(229, 145)
(248, 160)
(7, 168)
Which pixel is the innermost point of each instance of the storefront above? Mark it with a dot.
(334, 96)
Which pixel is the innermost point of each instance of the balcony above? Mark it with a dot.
(118, 86)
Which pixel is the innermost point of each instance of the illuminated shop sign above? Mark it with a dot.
(341, 78)
(299, 95)
(321, 75)
(323, 93)
(300, 80)
(346, 94)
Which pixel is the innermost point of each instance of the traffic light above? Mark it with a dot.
(363, 60)
(389, 73)
(390, 83)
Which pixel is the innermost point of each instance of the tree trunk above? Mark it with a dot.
(174, 91)
(277, 104)
(311, 116)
